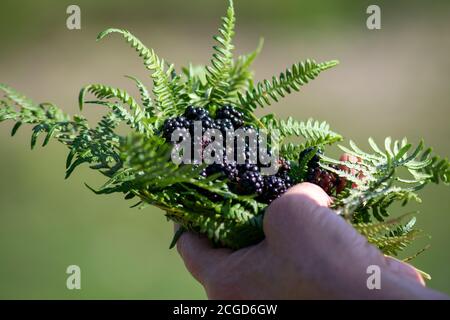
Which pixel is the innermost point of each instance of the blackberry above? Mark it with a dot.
(202, 142)
(223, 125)
(231, 113)
(274, 187)
(207, 123)
(195, 113)
(287, 181)
(314, 161)
(283, 166)
(172, 124)
(250, 182)
(325, 179)
(228, 169)
(247, 167)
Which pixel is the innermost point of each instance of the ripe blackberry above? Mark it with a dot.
(172, 124)
(231, 113)
(223, 125)
(195, 113)
(287, 181)
(207, 123)
(247, 167)
(325, 179)
(314, 161)
(274, 187)
(228, 169)
(200, 142)
(250, 182)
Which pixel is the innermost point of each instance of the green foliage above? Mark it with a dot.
(138, 164)
(292, 79)
(219, 72)
(166, 88)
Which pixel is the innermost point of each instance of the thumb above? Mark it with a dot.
(297, 208)
(404, 269)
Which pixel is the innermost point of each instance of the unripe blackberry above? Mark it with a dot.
(274, 187)
(250, 182)
(172, 124)
(195, 113)
(283, 166)
(231, 113)
(323, 178)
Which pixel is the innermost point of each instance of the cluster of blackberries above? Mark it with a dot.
(327, 180)
(243, 179)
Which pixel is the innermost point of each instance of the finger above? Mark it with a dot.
(404, 269)
(199, 256)
(293, 207)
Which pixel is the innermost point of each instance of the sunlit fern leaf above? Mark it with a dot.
(145, 96)
(314, 133)
(17, 98)
(377, 177)
(393, 244)
(375, 228)
(290, 80)
(106, 92)
(218, 74)
(166, 89)
(241, 77)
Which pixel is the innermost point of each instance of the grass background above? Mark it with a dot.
(393, 81)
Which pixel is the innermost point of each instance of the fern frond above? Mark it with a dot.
(314, 134)
(218, 74)
(145, 96)
(46, 118)
(384, 227)
(17, 98)
(392, 245)
(378, 179)
(291, 80)
(106, 92)
(97, 147)
(167, 89)
(241, 77)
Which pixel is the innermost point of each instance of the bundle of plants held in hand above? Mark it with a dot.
(197, 150)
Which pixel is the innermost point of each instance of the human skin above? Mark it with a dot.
(309, 252)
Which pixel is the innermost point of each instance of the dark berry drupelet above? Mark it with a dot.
(231, 113)
(250, 182)
(229, 170)
(206, 122)
(195, 113)
(172, 124)
(223, 125)
(247, 167)
(274, 187)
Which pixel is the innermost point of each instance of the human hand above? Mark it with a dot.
(309, 253)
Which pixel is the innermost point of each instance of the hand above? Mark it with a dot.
(309, 253)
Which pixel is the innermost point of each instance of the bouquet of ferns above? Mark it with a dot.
(226, 200)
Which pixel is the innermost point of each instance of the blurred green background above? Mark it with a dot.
(393, 81)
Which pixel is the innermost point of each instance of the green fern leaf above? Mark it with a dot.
(218, 74)
(291, 80)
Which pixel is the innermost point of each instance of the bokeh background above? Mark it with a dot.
(393, 81)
